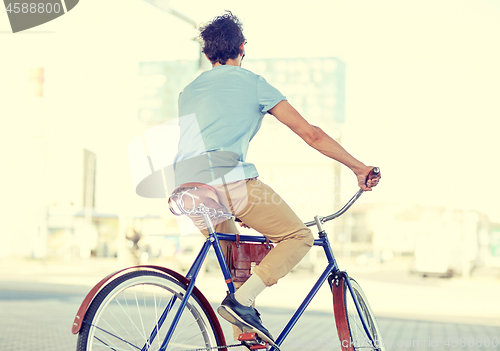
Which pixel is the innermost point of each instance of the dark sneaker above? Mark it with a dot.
(245, 318)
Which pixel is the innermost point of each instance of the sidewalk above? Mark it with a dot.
(38, 302)
(391, 293)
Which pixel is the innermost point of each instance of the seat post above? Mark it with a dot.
(208, 223)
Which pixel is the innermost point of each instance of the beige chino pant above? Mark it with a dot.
(258, 206)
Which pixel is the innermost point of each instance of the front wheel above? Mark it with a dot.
(127, 315)
(350, 328)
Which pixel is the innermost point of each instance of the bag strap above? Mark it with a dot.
(268, 243)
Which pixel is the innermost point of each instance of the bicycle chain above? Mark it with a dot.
(222, 347)
(214, 347)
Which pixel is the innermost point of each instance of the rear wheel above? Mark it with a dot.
(350, 328)
(127, 311)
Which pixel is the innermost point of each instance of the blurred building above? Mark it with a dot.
(48, 177)
(442, 241)
(160, 86)
(68, 111)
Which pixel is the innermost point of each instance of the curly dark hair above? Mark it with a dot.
(222, 38)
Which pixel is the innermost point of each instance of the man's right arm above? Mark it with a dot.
(319, 140)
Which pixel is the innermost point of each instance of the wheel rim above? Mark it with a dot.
(358, 335)
(126, 317)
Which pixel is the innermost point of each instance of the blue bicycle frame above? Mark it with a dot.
(213, 241)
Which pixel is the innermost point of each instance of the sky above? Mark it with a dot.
(422, 78)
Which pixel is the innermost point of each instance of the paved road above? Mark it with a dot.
(38, 316)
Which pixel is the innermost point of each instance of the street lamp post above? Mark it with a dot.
(165, 6)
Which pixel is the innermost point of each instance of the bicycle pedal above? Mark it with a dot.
(252, 341)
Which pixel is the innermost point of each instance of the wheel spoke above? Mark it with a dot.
(112, 322)
(156, 322)
(115, 336)
(113, 330)
(127, 313)
(140, 316)
(112, 348)
(110, 311)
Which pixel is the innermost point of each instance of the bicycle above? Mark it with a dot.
(155, 308)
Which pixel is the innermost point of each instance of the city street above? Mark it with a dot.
(37, 310)
(117, 117)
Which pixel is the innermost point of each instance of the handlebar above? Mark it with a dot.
(374, 173)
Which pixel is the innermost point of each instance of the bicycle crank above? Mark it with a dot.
(228, 346)
(250, 341)
(214, 347)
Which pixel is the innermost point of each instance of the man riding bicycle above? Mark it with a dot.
(224, 108)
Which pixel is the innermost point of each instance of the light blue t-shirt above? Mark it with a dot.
(221, 111)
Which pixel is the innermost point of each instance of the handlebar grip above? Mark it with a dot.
(373, 174)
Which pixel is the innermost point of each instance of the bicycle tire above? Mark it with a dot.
(352, 335)
(125, 312)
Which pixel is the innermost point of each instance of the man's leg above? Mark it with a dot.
(259, 207)
(271, 216)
